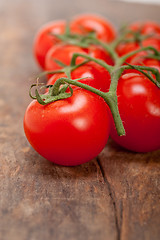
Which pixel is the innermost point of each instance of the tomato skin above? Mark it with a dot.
(146, 28)
(100, 53)
(94, 76)
(140, 59)
(64, 53)
(44, 40)
(125, 48)
(86, 23)
(68, 132)
(139, 107)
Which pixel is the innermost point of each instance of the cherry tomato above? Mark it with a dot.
(153, 42)
(93, 74)
(140, 59)
(45, 39)
(125, 48)
(64, 53)
(85, 23)
(139, 107)
(100, 53)
(146, 27)
(68, 132)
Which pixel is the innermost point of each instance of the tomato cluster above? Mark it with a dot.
(46, 39)
(147, 34)
(74, 130)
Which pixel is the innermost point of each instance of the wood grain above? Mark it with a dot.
(134, 184)
(114, 197)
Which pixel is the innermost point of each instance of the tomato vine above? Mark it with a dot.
(115, 71)
(106, 85)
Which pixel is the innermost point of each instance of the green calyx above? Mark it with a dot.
(55, 93)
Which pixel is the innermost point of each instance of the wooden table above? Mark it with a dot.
(113, 197)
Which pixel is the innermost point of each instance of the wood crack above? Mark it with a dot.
(112, 196)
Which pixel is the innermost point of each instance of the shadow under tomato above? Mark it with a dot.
(42, 166)
(120, 152)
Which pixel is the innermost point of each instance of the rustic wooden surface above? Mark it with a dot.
(114, 197)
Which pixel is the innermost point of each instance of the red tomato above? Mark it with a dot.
(140, 59)
(64, 53)
(154, 66)
(100, 53)
(94, 76)
(68, 132)
(125, 48)
(139, 107)
(44, 39)
(153, 42)
(146, 28)
(85, 23)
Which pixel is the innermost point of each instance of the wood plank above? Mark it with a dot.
(134, 183)
(115, 196)
(44, 201)
(38, 199)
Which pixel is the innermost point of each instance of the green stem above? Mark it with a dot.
(78, 65)
(63, 70)
(141, 68)
(153, 56)
(96, 60)
(109, 98)
(55, 88)
(137, 37)
(108, 47)
(57, 91)
(115, 75)
(117, 41)
(122, 59)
